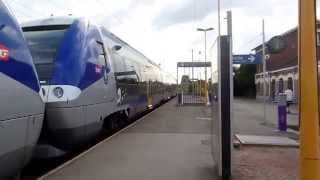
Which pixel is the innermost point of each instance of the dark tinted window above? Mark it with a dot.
(43, 45)
(129, 77)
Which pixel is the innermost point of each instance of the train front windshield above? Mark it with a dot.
(43, 42)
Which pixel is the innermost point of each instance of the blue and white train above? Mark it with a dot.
(90, 76)
(21, 103)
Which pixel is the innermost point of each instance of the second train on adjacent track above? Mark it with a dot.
(89, 77)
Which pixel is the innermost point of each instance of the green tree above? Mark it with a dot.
(244, 84)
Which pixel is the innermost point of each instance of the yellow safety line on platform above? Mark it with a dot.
(308, 80)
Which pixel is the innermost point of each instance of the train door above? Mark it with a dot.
(149, 93)
(139, 88)
(103, 61)
(148, 74)
(120, 89)
(130, 79)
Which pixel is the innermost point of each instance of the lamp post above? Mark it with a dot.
(205, 58)
(205, 47)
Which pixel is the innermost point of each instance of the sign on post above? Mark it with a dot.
(247, 59)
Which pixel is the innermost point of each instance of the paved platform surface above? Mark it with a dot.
(249, 120)
(170, 143)
(262, 162)
(265, 163)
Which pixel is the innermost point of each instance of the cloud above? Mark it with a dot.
(182, 12)
(196, 10)
(165, 30)
(121, 15)
(137, 3)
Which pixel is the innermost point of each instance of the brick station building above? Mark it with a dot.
(282, 68)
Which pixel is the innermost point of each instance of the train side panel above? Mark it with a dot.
(21, 107)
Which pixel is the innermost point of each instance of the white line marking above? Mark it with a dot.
(59, 168)
(203, 118)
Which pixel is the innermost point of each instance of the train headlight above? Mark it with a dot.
(58, 92)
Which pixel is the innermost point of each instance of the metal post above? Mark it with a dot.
(309, 94)
(192, 61)
(264, 71)
(205, 60)
(205, 68)
(177, 75)
(177, 78)
(199, 83)
(229, 17)
(192, 77)
(225, 110)
(219, 29)
(219, 48)
(205, 54)
(269, 82)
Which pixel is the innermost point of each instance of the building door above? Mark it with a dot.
(281, 85)
(273, 89)
(290, 83)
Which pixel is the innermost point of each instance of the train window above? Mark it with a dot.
(43, 44)
(139, 72)
(100, 48)
(103, 59)
(118, 63)
(102, 54)
(135, 67)
(129, 77)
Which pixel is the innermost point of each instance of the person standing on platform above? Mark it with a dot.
(289, 95)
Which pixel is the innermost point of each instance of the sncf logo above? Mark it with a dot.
(98, 68)
(4, 53)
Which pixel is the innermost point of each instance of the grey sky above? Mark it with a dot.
(165, 30)
(195, 10)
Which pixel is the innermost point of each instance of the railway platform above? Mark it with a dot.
(170, 143)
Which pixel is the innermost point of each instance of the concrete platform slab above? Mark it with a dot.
(168, 144)
(266, 140)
